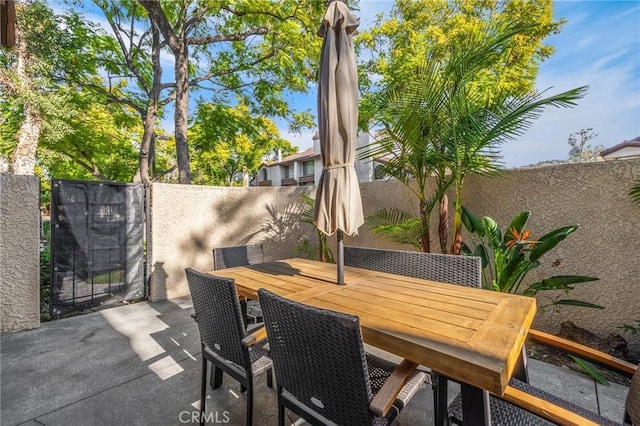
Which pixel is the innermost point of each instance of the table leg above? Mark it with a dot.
(520, 371)
(440, 395)
(475, 406)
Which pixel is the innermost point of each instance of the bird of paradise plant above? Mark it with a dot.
(506, 260)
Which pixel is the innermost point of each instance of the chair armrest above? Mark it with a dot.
(583, 351)
(255, 337)
(545, 409)
(382, 402)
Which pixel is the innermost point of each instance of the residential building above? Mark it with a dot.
(624, 150)
(304, 168)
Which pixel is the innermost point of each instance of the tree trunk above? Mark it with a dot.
(443, 226)
(426, 238)
(178, 44)
(456, 244)
(181, 110)
(24, 156)
(145, 146)
(149, 120)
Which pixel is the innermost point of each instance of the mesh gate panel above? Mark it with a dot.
(97, 237)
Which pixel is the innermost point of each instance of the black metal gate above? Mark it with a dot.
(97, 236)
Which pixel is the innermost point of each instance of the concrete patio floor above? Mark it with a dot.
(140, 365)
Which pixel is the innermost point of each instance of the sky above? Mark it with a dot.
(599, 47)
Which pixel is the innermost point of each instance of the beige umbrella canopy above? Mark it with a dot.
(338, 207)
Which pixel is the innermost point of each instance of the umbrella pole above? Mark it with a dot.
(340, 258)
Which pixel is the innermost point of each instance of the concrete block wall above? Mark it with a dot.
(19, 252)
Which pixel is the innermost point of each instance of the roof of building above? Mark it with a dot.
(633, 143)
(307, 154)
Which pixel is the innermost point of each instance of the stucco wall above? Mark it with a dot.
(606, 245)
(19, 252)
(189, 221)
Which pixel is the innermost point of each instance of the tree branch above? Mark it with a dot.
(227, 37)
(230, 70)
(156, 14)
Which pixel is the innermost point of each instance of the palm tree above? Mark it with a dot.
(437, 124)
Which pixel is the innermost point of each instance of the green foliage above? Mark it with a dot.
(590, 369)
(84, 136)
(631, 329)
(436, 123)
(396, 225)
(253, 53)
(435, 28)
(313, 250)
(508, 258)
(226, 141)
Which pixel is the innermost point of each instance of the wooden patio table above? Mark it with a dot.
(470, 335)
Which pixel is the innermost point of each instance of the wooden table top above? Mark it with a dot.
(471, 335)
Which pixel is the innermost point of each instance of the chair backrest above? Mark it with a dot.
(218, 315)
(463, 270)
(228, 257)
(633, 399)
(319, 358)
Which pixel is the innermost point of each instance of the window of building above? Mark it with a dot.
(308, 168)
(287, 172)
(263, 174)
(379, 172)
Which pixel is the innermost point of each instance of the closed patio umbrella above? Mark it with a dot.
(338, 207)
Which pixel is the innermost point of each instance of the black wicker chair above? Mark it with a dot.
(323, 373)
(229, 257)
(221, 328)
(524, 404)
(463, 270)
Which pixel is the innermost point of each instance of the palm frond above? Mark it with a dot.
(634, 193)
(397, 225)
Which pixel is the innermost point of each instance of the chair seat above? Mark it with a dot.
(505, 414)
(254, 312)
(379, 371)
(260, 360)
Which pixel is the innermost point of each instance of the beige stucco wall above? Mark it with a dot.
(189, 221)
(606, 245)
(19, 252)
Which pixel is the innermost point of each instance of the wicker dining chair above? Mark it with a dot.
(463, 270)
(229, 257)
(323, 373)
(523, 404)
(219, 319)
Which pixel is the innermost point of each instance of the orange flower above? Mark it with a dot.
(521, 238)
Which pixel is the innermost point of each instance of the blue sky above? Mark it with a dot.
(599, 46)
